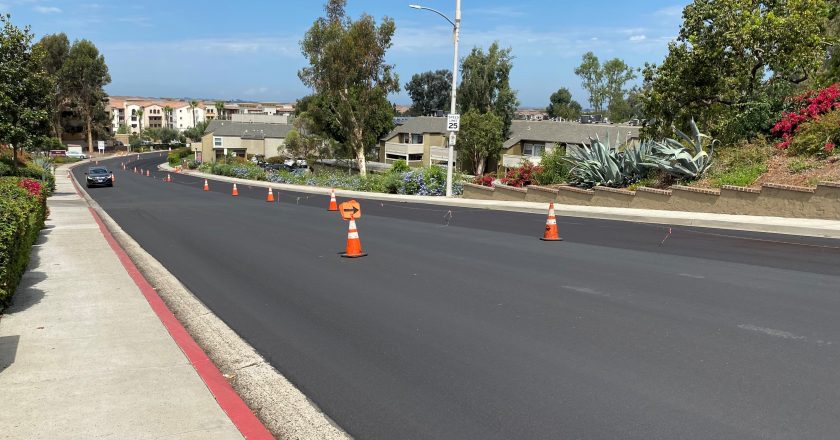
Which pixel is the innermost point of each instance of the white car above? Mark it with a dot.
(76, 154)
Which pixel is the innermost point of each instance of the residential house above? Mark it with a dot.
(420, 141)
(529, 140)
(243, 139)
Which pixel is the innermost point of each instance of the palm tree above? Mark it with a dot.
(167, 112)
(140, 118)
(193, 105)
(220, 107)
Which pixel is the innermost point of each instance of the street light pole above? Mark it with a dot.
(456, 30)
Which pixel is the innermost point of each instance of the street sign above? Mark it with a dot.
(100, 146)
(453, 122)
(350, 210)
(452, 138)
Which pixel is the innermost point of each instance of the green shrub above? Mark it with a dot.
(22, 215)
(817, 137)
(797, 166)
(553, 168)
(400, 167)
(174, 157)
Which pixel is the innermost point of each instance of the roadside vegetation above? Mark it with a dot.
(400, 179)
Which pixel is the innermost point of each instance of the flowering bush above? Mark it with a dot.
(22, 212)
(809, 110)
(523, 176)
(485, 180)
(816, 137)
(32, 186)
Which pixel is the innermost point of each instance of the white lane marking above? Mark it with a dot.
(688, 275)
(586, 290)
(772, 332)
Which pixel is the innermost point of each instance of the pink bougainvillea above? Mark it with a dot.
(809, 106)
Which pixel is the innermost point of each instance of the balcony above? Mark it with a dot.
(403, 149)
(515, 161)
(441, 154)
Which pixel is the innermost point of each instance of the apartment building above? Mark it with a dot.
(125, 110)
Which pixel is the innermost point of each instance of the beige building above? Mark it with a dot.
(421, 141)
(243, 139)
(529, 140)
(424, 141)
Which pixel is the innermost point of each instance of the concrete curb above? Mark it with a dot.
(773, 225)
(281, 407)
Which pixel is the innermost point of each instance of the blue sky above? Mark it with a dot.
(248, 49)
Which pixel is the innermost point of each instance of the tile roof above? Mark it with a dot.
(539, 131)
(423, 124)
(248, 130)
(565, 132)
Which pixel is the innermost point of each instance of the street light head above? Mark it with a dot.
(415, 6)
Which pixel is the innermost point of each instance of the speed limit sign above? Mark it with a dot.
(453, 122)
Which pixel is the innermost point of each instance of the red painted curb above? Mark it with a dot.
(245, 421)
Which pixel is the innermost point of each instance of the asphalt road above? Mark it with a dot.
(478, 330)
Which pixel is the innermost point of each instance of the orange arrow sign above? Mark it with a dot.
(350, 210)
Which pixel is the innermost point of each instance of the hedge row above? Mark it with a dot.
(174, 157)
(23, 209)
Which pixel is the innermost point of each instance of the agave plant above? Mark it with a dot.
(672, 157)
(596, 164)
(633, 161)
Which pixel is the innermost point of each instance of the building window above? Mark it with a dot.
(416, 138)
(413, 157)
(217, 142)
(529, 149)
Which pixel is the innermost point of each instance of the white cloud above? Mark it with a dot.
(284, 46)
(255, 91)
(637, 38)
(47, 10)
(670, 11)
(496, 11)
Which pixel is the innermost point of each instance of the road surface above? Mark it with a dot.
(471, 327)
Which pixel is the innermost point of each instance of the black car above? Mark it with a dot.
(99, 176)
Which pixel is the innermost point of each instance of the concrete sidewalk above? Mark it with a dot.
(82, 353)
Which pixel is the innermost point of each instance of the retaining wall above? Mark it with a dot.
(822, 202)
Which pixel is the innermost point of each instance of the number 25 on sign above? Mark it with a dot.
(453, 122)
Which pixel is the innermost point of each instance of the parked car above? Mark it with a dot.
(76, 154)
(99, 176)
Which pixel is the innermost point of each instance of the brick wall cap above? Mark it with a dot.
(693, 189)
(663, 192)
(741, 189)
(780, 186)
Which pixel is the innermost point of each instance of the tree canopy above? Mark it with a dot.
(480, 139)
(485, 84)
(561, 105)
(605, 83)
(348, 73)
(83, 77)
(726, 58)
(429, 91)
(24, 90)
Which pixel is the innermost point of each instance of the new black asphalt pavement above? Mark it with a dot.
(464, 325)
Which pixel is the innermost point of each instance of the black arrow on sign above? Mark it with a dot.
(353, 209)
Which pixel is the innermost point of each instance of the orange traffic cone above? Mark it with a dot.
(123, 165)
(551, 226)
(113, 178)
(206, 185)
(354, 245)
(333, 204)
(147, 173)
(135, 170)
(168, 178)
(270, 197)
(235, 191)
